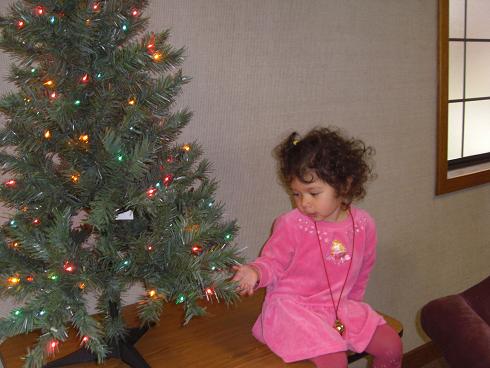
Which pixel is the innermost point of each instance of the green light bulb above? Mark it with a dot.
(180, 299)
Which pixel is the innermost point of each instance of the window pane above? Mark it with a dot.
(478, 69)
(456, 18)
(454, 130)
(478, 15)
(477, 128)
(456, 54)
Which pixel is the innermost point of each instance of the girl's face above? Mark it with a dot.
(317, 200)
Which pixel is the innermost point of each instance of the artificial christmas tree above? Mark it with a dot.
(100, 194)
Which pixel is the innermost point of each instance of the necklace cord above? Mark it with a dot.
(336, 307)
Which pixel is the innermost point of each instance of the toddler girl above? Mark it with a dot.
(317, 261)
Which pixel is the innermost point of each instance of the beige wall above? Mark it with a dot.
(262, 68)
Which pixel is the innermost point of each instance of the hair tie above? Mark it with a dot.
(294, 139)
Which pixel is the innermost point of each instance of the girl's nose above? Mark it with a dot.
(305, 203)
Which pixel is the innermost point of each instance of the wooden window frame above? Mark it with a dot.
(443, 183)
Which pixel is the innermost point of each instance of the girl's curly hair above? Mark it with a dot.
(343, 163)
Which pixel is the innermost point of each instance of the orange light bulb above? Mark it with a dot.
(13, 280)
(157, 56)
(14, 245)
(75, 178)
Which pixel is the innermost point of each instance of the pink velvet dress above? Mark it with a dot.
(298, 315)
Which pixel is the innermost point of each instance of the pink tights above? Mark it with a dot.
(385, 347)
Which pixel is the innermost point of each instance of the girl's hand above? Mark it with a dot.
(246, 277)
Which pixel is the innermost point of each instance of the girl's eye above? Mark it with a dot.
(314, 194)
(295, 194)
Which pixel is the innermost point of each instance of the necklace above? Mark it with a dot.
(338, 325)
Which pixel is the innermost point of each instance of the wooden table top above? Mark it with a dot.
(221, 339)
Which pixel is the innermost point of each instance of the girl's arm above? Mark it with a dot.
(276, 254)
(369, 257)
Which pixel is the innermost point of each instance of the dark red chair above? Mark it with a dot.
(459, 325)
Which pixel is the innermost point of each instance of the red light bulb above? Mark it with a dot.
(151, 44)
(167, 180)
(10, 183)
(69, 267)
(196, 249)
(150, 193)
(85, 79)
(52, 345)
(39, 10)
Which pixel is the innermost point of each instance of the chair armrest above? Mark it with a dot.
(461, 334)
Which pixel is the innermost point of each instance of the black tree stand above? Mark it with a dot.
(122, 349)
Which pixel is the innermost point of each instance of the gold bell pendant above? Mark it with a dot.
(339, 326)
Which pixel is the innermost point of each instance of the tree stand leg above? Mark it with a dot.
(122, 349)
